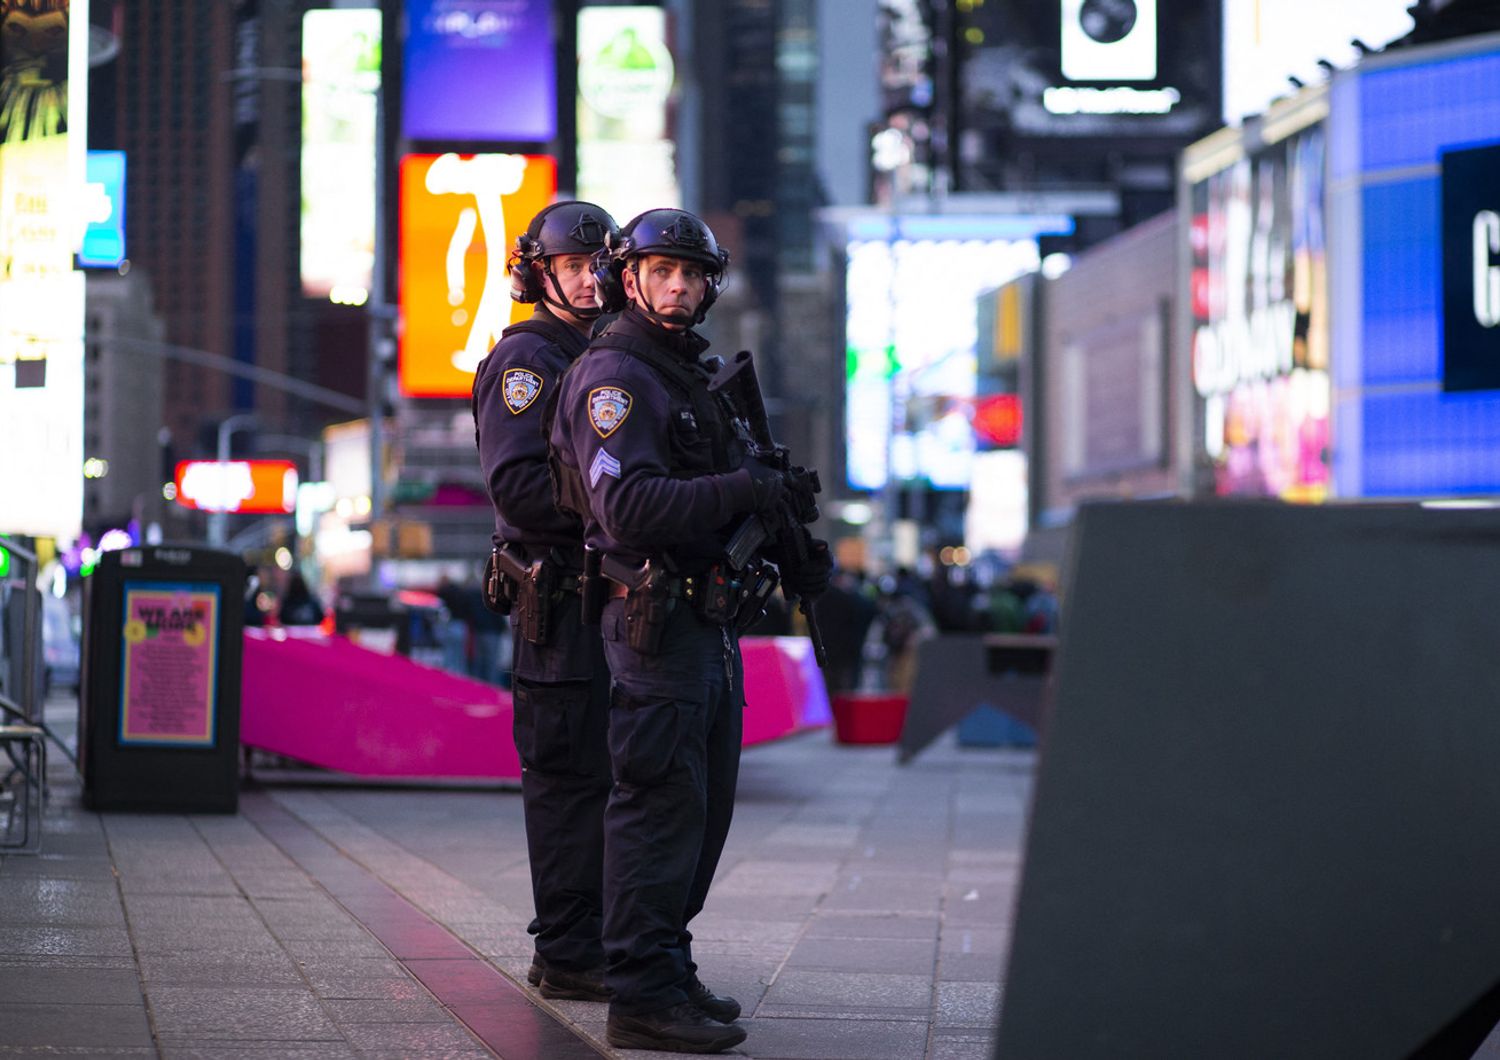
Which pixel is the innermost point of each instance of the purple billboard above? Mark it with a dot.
(479, 70)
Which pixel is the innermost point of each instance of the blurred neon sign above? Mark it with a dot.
(251, 486)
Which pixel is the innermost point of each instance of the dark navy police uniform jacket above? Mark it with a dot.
(511, 389)
(659, 478)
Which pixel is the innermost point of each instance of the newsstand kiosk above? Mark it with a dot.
(160, 708)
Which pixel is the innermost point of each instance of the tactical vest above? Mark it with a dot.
(555, 332)
(687, 381)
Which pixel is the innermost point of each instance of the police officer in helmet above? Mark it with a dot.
(561, 682)
(650, 455)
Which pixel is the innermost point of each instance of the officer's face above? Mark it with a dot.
(670, 286)
(575, 279)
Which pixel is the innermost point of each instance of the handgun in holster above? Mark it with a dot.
(533, 586)
(648, 604)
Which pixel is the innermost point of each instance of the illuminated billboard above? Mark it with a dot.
(1266, 41)
(626, 160)
(43, 137)
(479, 70)
(245, 486)
(340, 78)
(911, 335)
(460, 215)
(104, 209)
(1260, 323)
(1414, 179)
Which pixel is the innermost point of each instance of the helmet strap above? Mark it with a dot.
(645, 306)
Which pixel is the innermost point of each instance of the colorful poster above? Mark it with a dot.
(169, 664)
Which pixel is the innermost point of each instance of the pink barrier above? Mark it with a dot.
(330, 703)
(784, 692)
(326, 701)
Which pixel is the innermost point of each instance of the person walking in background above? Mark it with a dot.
(298, 606)
(560, 683)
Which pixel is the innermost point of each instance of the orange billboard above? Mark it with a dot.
(268, 486)
(455, 292)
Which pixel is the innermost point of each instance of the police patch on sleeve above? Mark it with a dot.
(608, 407)
(521, 386)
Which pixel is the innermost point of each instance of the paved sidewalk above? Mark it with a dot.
(860, 913)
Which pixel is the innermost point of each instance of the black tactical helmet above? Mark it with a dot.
(671, 233)
(563, 228)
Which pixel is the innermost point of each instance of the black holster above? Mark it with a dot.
(648, 604)
(532, 588)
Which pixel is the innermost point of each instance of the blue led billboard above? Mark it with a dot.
(479, 70)
(1399, 430)
(104, 206)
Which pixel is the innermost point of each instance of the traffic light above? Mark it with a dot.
(4, 561)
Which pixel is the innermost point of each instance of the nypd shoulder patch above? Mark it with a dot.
(521, 386)
(603, 464)
(608, 407)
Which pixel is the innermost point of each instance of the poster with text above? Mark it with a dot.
(169, 663)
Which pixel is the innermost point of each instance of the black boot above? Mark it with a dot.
(558, 984)
(680, 1029)
(536, 971)
(723, 1009)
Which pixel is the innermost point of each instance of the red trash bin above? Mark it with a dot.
(868, 717)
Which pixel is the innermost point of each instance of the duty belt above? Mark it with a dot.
(720, 595)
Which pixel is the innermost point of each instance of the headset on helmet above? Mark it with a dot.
(670, 233)
(569, 227)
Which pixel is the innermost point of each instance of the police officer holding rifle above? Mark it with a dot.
(658, 462)
(561, 681)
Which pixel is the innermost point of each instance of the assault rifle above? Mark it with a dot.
(786, 528)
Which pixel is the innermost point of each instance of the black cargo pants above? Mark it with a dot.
(676, 721)
(561, 696)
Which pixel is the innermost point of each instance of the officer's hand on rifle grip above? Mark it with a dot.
(768, 483)
(811, 579)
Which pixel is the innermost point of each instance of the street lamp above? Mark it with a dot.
(218, 522)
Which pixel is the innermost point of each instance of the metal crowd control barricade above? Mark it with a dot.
(23, 750)
(163, 651)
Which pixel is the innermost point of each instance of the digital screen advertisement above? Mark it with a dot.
(104, 209)
(1260, 323)
(479, 70)
(911, 367)
(626, 160)
(168, 677)
(1265, 41)
(460, 215)
(340, 79)
(1417, 410)
(43, 137)
(248, 486)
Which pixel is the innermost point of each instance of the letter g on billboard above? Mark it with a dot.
(1486, 271)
